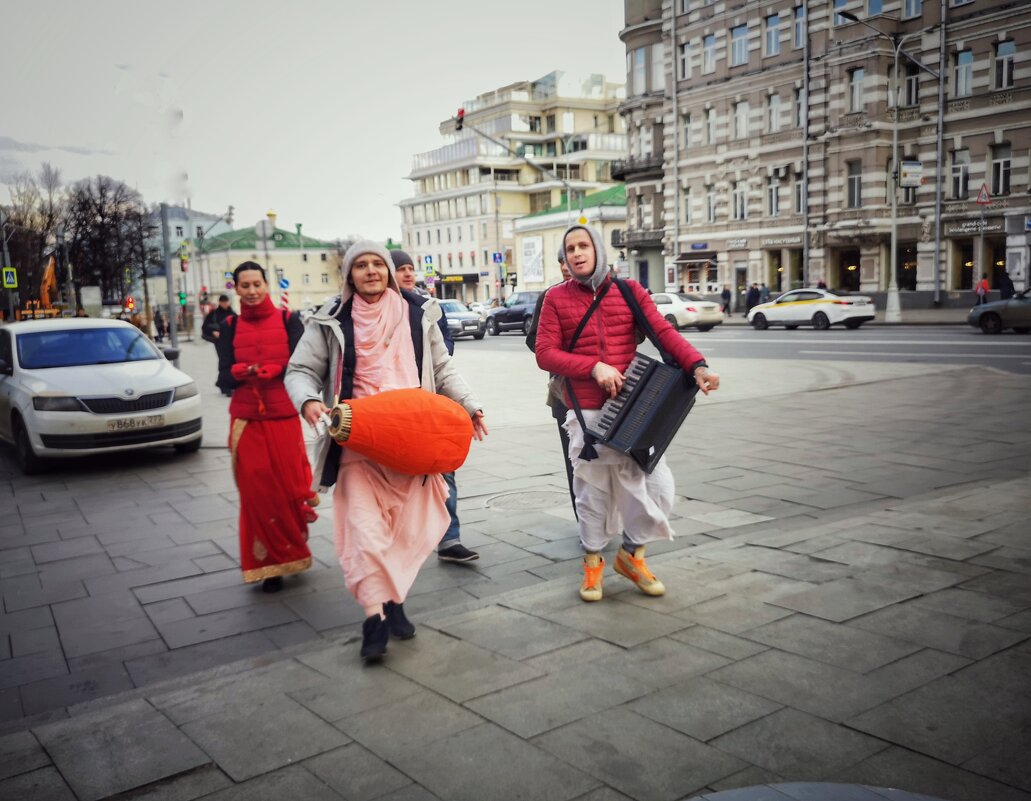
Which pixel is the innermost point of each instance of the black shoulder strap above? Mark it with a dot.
(642, 321)
(588, 452)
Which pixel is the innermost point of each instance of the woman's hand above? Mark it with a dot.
(312, 410)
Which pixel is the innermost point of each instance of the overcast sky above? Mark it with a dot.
(313, 108)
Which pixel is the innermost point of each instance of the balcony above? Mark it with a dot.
(638, 168)
(643, 238)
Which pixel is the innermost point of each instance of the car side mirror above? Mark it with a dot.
(6, 368)
(171, 353)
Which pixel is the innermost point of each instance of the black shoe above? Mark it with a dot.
(274, 584)
(457, 553)
(374, 638)
(397, 624)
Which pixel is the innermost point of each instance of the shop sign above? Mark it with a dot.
(699, 246)
(451, 279)
(784, 240)
(973, 228)
(737, 244)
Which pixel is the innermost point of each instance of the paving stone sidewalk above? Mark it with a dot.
(856, 612)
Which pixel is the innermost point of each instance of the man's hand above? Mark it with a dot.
(479, 427)
(216, 334)
(706, 380)
(313, 410)
(608, 378)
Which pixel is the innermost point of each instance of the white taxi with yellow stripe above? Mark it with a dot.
(820, 308)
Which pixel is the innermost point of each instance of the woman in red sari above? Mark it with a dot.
(270, 464)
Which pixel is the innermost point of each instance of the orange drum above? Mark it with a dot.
(409, 430)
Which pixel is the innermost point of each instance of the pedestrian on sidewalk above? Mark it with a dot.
(160, 325)
(450, 548)
(981, 290)
(613, 493)
(373, 338)
(555, 400)
(751, 298)
(210, 327)
(725, 297)
(1006, 288)
(269, 460)
(764, 294)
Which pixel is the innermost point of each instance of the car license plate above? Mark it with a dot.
(471, 325)
(860, 302)
(132, 423)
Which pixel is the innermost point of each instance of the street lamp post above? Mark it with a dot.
(893, 307)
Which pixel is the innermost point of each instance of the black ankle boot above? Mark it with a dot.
(374, 638)
(399, 625)
(274, 584)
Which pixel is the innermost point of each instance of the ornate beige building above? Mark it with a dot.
(725, 150)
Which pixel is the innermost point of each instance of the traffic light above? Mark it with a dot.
(182, 298)
(460, 119)
(513, 279)
(130, 304)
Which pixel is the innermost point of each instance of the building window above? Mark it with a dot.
(964, 73)
(739, 45)
(1005, 54)
(322, 256)
(449, 234)
(799, 108)
(739, 200)
(855, 89)
(854, 184)
(535, 124)
(306, 279)
(687, 205)
(325, 279)
(472, 258)
(799, 193)
(773, 34)
(1001, 169)
(912, 8)
(798, 33)
(687, 131)
(178, 232)
(200, 232)
(710, 203)
(709, 54)
(636, 69)
(549, 123)
(418, 238)
(710, 126)
(839, 5)
(874, 7)
(960, 174)
(658, 68)
(773, 114)
(685, 61)
(773, 196)
(911, 87)
(741, 111)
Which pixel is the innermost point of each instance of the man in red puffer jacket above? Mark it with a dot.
(613, 493)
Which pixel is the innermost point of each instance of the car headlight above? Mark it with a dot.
(185, 391)
(56, 404)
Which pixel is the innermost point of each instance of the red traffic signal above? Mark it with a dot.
(460, 119)
(130, 304)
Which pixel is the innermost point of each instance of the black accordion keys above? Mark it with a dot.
(644, 417)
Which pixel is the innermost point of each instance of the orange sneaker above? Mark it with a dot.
(632, 566)
(594, 566)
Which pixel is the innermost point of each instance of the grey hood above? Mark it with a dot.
(356, 250)
(601, 265)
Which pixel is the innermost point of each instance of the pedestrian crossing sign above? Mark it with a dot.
(10, 278)
(983, 198)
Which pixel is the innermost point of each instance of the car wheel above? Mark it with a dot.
(492, 327)
(527, 323)
(991, 323)
(705, 327)
(28, 461)
(672, 321)
(478, 336)
(853, 324)
(759, 322)
(790, 327)
(188, 447)
(821, 322)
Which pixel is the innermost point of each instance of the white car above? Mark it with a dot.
(79, 386)
(820, 308)
(683, 310)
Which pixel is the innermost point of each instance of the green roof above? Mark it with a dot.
(613, 196)
(247, 239)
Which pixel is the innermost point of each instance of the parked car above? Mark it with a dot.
(684, 310)
(74, 387)
(514, 315)
(480, 308)
(994, 317)
(461, 322)
(820, 308)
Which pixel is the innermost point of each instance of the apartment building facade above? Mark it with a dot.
(777, 120)
(459, 225)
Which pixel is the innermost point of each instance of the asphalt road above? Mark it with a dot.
(936, 345)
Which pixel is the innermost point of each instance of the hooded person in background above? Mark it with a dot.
(613, 493)
(210, 329)
(375, 338)
(450, 548)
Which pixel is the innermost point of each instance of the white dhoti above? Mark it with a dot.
(613, 493)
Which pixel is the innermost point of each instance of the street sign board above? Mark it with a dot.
(911, 174)
(230, 284)
(284, 283)
(427, 260)
(10, 278)
(983, 198)
(496, 257)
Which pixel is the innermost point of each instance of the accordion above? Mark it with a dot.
(644, 417)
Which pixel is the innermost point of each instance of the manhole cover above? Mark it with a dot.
(519, 501)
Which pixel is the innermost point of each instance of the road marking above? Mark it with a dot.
(917, 355)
